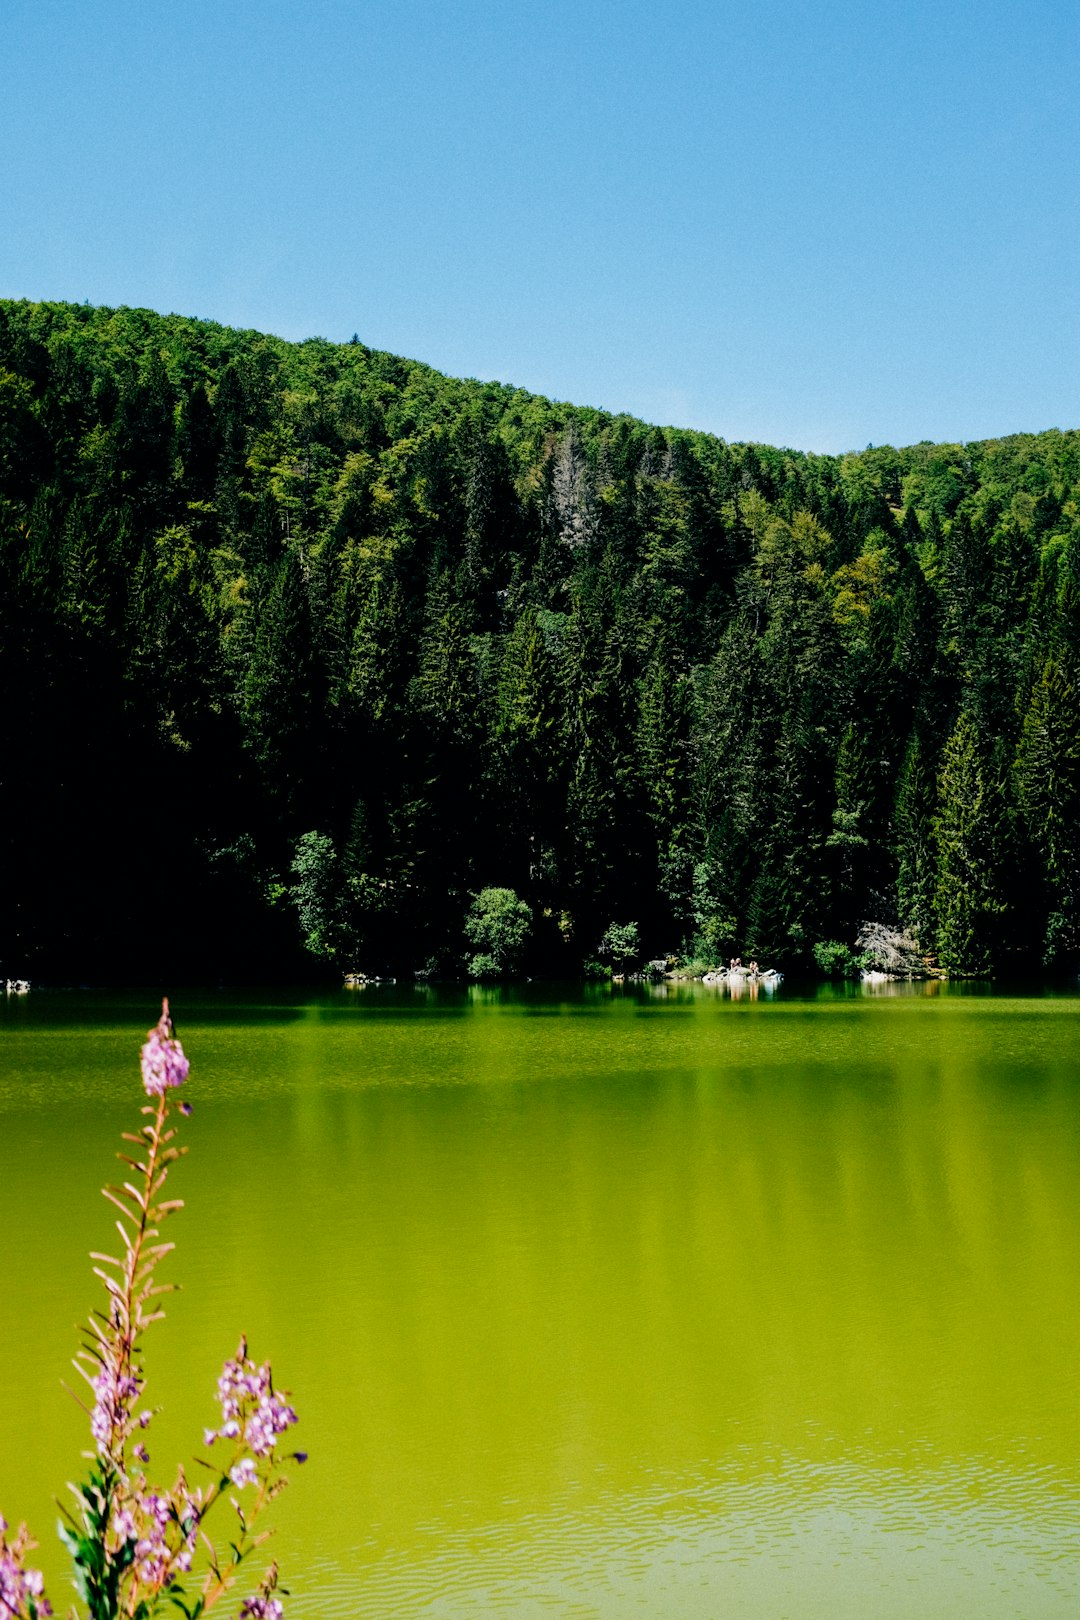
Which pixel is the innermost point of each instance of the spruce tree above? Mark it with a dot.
(1048, 788)
(969, 834)
(916, 876)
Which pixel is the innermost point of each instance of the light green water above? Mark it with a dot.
(595, 1307)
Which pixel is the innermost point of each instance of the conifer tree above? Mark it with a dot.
(969, 834)
(849, 839)
(1048, 787)
(916, 852)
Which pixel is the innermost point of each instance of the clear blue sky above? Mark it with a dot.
(807, 223)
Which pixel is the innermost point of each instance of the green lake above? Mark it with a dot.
(604, 1304)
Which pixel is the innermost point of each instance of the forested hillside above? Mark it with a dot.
(303, 645)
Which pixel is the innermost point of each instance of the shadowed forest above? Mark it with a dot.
(303, 645)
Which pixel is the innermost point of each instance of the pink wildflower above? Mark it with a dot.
(163, 1062)
(271, 1418)
(21, 1589)
(250, 1405)
(263, 1605)
(113, 1393)
(134, 1544)
(158, 1508)
(123, 1526)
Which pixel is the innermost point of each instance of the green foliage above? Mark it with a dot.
(839, 961)
(621, 946)
(1048, 787)
(314, 892)
(969, 833)
(715, 933)
(498, 926)
(475, 636)
(97, 1578)
(915, 852)
(849, 839)
(715, 939)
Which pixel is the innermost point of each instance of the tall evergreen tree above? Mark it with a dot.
(969, 833)
(916, 852)
(1048, 786)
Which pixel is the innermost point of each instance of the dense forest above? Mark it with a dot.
(304, 646)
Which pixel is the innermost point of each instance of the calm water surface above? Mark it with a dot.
(598, 1306)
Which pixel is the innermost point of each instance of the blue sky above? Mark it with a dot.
(806, 224)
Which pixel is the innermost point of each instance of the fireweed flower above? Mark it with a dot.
(22, 1590)
(260, 1608)
(132, 1543)
(164, 1526)
(114, 1390)
(251, 1409)
(123, 1526)
(264, 1605)
(163, 1062)
(244, 1473)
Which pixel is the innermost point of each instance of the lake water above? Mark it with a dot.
(620, 1303)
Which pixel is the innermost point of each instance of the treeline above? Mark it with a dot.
(302, 646)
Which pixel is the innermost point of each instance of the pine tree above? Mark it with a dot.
(279, 701)
(969, 834)
(916, 877)
(1048, 788)
(445, 681)
(787, 911)
(849, 839)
